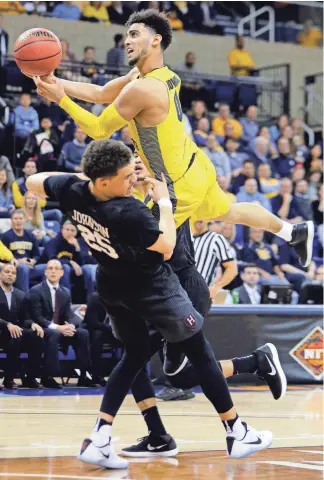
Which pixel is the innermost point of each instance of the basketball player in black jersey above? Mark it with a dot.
(137, 287)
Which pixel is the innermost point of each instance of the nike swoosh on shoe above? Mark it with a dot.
(273, 369)
(149, 447)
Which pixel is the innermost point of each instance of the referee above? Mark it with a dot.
(212, 250)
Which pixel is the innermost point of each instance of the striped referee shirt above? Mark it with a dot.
(211, 250)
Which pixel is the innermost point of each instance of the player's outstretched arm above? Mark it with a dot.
(131, 101)
(35, 183)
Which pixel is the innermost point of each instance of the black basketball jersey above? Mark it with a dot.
(118, 231)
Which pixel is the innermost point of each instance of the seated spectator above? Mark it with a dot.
(200, 135)
(285, 205)
(26, 120)
(249, 124)
(43, 144)
(66, 11)
(223, 183)
(96, 322)
(118, 12)
(265, 132)
(6, 165)
(269, 185)
(219, 158)
(240, 60)
(236, 158)
(89, 267)
(276, 130)
(284, 163)
(261, 253)
(290, 265)
(48, 109)
(24, 247)
(185, 13)
(192, 88)
(248, 171)
(49, 305)
(249, 193)
(6, 199)
(90, 67)
(126, 138)
(17, 333)
(318, 207)
(34, 220)
(300, 150)
(95, 12)
(229, 133)
(208, 17)
(249, 292)
(116, 55)
(303, 200)
(314, 180)
(228, 230)
(298, 174)
(12, 7)
(175, 22)
(198, 111)
(67, 54)
(297, 126)
(71, 154)
(224, 117)
(260, 151)
(310, 37)
(316, 158)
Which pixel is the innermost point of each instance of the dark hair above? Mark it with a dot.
(118, 37)
(156, 21)
(88, 47)
(103, 158)
(248, 265)
(248, 161)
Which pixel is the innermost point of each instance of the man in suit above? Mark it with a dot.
(50, 306)
(18, 333)
(249, 292)
(96, 322)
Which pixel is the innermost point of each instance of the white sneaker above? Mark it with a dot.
(103, 456)
(253, 441)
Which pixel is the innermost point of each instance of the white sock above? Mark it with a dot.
(102, 436)
(238, 430)
(286, 231)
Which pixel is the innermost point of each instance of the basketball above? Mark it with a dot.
(37, 51)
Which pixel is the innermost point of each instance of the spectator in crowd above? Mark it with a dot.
(116, 55)
(90, 67)
(316, 158)
(34, 220)
(96, 322)
(265, 132)
(219, 158)
(67, 54)
(269, 184)
(261, 253)
(66, 11)
(297, 126)
(119, 12)
(201, 133)
(240, 60)
(4, 42)
(174, 20)
(300, 150)
(192, 87)
(17, 333)
(249, 292)
(126, 138)
(6, 165)
(95, 12)
(24, 247)
(50, 307)
(276, 130)
(6, 199)
(249, 193)
(303, 200)
(298, 173)
(26, 120)
(198, 111)
(12, 7)
(228, 230)
(291, 267)
(71, 153)
(260, 151)
(224, 185)
(48, 109)
(249, 124)
(314, 180)
(209, 23)
(318, 207)
(224, 117)
(310, 36)
(319, 274)
(284, 163)
(285, 205)
(65, 248)
(44, 144)
(89, 266)
(248, 171)
(185, 13)
(236, 158)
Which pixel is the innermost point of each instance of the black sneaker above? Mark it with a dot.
(302, 241)
(152, 446)
(270, 370)
(169, 393)
(174, 359)
(187, 395)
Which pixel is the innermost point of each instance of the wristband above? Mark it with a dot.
(165, 202)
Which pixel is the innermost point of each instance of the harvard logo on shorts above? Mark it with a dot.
(309, 353)
(190, 321)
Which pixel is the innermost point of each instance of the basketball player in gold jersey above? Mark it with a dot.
(150, 106)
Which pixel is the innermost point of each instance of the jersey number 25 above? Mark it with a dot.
(96, 241)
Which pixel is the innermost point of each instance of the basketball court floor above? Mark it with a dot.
(41, 433)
